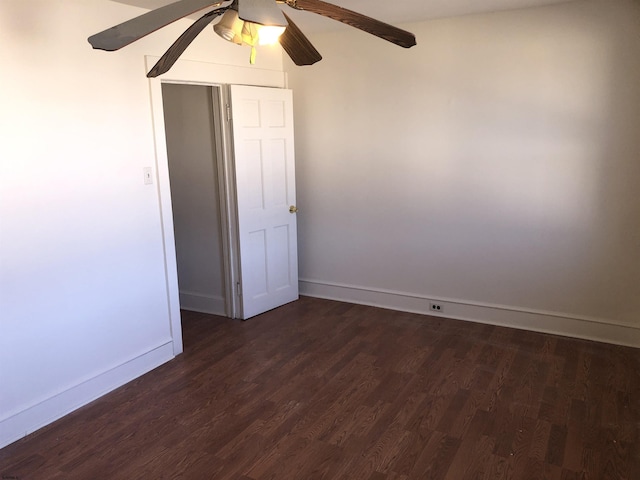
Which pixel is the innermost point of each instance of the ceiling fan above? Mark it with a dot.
(243, 22)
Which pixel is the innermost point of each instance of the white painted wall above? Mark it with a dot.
(495, 163)
(84, 305)
(494, 167)
(191, 148)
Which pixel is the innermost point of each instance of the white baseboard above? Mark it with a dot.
(29, 420)
(600, 330)
(198, 302)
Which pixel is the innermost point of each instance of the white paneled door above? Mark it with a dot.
(262, 124)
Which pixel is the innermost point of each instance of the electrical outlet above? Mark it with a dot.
(436, 307)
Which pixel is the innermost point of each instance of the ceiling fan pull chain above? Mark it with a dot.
(250, 37)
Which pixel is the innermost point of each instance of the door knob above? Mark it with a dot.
(293, 209)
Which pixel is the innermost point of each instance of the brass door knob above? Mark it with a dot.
(293, 209)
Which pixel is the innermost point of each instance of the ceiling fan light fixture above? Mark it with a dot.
(230, 27)
(269, 35)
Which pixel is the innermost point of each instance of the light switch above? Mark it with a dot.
(148, 178)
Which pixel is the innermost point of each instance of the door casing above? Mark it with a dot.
(217, 76)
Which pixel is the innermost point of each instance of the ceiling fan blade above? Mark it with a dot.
(180, 45)
(128, 32)
(298, 46)
(370, 25)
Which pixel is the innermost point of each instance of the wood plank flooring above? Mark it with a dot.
(326, 390)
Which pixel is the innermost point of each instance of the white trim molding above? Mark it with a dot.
(596, 329)
(200, 302)
(20, 424)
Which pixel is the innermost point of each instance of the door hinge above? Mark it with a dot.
(238, 289)
(228, 112)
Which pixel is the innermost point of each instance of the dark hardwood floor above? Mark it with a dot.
(322, 389)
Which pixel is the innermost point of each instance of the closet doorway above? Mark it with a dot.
(231, 171)
(195, 143)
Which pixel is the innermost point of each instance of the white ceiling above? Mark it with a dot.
(390, 11)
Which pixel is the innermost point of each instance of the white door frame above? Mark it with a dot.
(199, 73)
(227, 197)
